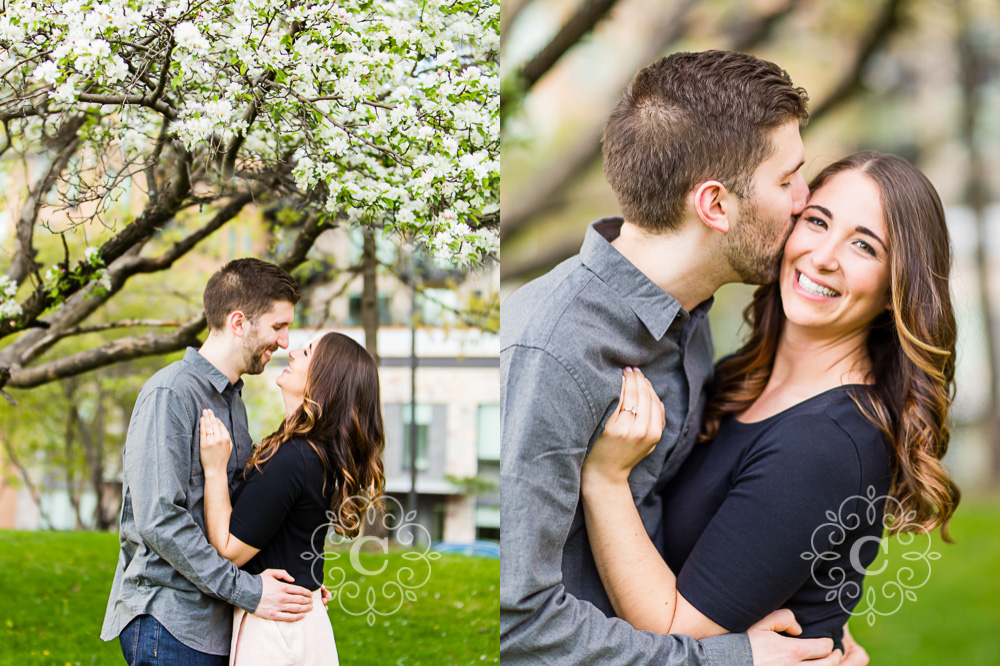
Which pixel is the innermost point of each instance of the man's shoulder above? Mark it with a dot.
(176, 381)
(542, 312)
(170, 376)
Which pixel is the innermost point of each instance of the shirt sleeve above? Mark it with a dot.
(267, 496)
(157, 464)
(748, 561)
(546, 425)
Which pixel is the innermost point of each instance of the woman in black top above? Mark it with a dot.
(838, 399)
(321, 468)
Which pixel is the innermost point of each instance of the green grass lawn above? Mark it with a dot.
(955, 618)
(54, 588)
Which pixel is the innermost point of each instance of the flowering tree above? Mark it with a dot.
(382, 114)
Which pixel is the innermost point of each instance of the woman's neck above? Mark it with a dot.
(292, 402)
(806, 360)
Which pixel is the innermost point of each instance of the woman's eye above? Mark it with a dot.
(866, 247)
(817, 221)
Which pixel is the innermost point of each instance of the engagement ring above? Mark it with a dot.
(634, 410)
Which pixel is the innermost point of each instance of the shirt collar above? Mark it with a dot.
(655, 308)
(214, 376)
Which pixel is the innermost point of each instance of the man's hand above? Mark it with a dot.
(326, 596)
(280, 601)
(770, 649)
(854, 654)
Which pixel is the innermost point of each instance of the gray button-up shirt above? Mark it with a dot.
(565, 338)
(166, 567)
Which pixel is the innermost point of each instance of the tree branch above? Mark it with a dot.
(229, 160)
(590, 13)
(311, 230)
(123, 349)
(82, 304)
(152, 265)
(884, 25)
(133, 347)
(157, 213)
(52, 338)
(131, 100)
(24, 257)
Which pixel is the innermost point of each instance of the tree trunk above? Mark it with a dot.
(369, 293)
(974, 70)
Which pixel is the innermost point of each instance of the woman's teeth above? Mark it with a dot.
(814, 288)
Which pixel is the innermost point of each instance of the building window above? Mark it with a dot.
(354, 311)
(424, 417)
(489, 433)
(488, 522)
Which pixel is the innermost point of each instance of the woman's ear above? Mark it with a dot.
(714, 204)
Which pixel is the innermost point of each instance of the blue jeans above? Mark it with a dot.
(146, 642)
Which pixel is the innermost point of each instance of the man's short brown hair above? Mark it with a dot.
(692, 117)
(249, 285)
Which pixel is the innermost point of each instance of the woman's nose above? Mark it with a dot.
(824, 257)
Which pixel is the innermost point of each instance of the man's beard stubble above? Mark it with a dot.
(748, 246)
(253, 352)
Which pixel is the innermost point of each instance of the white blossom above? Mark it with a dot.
(48, 72)
(188, 36)
(390, 109)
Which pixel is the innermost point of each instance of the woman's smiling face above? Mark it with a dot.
(293, 378)
(835, 268)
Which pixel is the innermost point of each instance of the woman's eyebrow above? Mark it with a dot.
(868, 232)
(825, 211)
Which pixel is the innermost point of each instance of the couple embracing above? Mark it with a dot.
(656, 507)
(213, 530)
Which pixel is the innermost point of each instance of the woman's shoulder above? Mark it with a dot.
(834, 413)
(825, 449)
(291, 453)
(826, 429)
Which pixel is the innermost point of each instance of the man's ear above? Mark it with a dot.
(714, 204)
(237, 322)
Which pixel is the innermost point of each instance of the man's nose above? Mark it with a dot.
(283, 339)
(800, 193)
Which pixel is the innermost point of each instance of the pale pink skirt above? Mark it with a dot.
(307, 642)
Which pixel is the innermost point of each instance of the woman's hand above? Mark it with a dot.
(630, 434)
(215, 443)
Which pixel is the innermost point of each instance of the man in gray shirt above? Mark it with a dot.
(704, 155)
(173, 595)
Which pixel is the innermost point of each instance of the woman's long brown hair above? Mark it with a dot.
(911, 347)
(341, 418)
